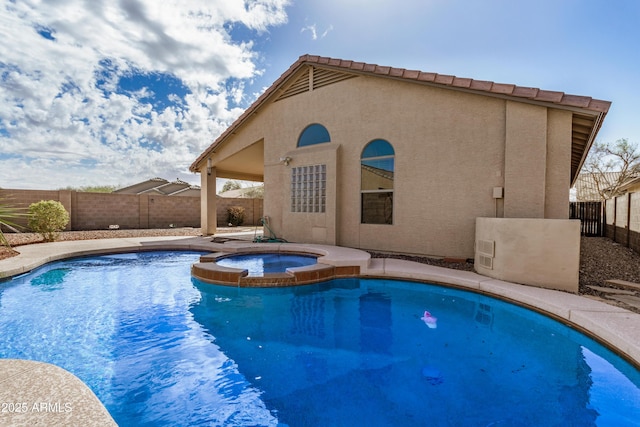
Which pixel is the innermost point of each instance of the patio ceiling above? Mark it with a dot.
(246, 164)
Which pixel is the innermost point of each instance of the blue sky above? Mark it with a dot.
(116, 92)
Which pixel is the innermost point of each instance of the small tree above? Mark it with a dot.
(48, 218)
(231, 185)
(93, 188)
(610, 166)
(255, 192)
(235, 215)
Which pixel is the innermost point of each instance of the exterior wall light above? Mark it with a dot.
(209, 167)
(286, 160)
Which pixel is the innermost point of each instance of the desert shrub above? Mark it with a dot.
(235, 215)
(48, 218)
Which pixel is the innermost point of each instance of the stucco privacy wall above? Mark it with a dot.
(97, 211)
(539, 252)
(623, 219)
(451, 149)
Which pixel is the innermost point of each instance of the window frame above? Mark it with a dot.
(371, 153)
(313, 134)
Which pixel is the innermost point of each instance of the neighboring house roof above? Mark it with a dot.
(380, 172)
(161, 187)
(587, 187)
(631, 185)
(588, 113)
(142, 186)
(239, 193)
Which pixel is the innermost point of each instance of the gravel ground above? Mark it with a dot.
(600, 258)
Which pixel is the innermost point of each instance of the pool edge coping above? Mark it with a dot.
(613, 326)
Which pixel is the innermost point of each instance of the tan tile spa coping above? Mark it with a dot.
(36, 382)
(208, 270)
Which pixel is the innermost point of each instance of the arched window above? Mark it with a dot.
(377, 167)
(313, 134)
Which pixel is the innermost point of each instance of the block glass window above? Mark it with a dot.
(309, 189)
(377, 168)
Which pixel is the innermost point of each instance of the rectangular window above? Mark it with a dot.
(308, 188)
(377, 208)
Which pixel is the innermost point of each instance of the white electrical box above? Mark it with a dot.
(498, 192)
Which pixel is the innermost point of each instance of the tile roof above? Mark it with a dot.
(595, 107)
(160, 186)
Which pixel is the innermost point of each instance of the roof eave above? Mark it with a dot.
(592, 138)
(552, 99)
(199, 162)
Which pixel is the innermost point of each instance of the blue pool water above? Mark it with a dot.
(260, 263)
(160, 348)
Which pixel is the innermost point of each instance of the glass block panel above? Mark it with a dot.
(308, 188)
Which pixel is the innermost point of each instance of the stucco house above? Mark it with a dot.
(384, 158)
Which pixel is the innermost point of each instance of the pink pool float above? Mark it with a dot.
(429, 320)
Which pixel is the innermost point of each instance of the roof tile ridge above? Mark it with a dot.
(426, 77)
(549, 96)
(462, 82)
(382, 70)
(369, 67)
(445, 79)
(525, 92)
(502, 88)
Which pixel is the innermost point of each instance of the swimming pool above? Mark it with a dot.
(160, 348)
(258, 264)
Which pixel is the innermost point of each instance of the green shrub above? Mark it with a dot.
(235, 215)
(48, 218)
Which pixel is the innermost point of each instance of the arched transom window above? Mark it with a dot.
(314, 134)
(377, 167)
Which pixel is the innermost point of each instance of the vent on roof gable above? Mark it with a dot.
(300, 85)
(322, 77)
(319, 76)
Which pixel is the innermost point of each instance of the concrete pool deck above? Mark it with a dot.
(36, 385)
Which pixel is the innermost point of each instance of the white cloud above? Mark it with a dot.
(62, 121)
(313, 29)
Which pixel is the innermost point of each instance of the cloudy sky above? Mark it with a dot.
(113, 92)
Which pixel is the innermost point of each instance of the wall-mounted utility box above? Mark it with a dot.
(498, 192)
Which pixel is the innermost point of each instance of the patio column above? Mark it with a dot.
(208, 208)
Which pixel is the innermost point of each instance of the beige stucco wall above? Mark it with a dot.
(622, 208)
(634, 223)
(558, 164)
(611, 212)
(452, 148)
(538, 252)
(299, 226)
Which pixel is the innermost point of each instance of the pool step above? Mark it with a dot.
(623, 284)
(621, 291)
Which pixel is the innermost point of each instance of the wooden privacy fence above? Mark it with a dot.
(590, 216)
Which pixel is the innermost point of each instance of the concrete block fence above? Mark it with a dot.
(99, 211)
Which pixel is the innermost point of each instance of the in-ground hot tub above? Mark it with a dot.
(267, 269)
(257, 264)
